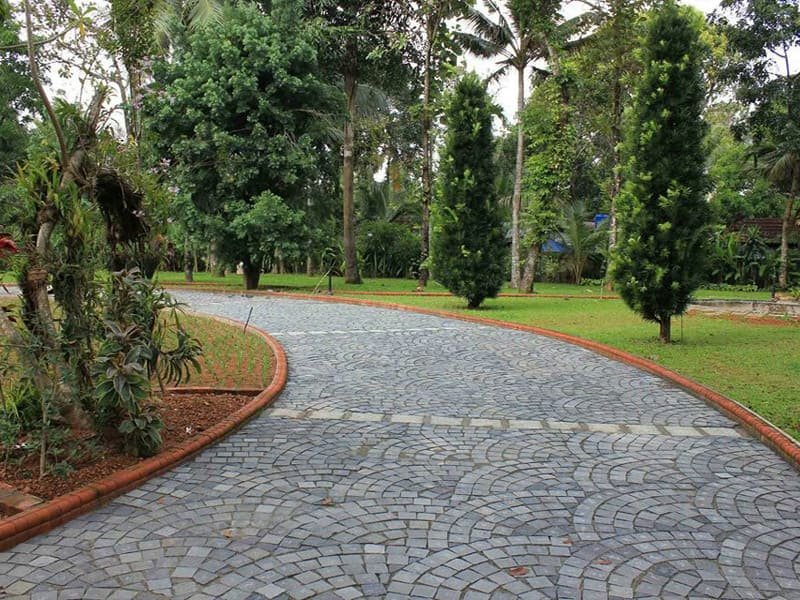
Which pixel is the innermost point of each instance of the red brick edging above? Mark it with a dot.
(45, 517)
(768, 433)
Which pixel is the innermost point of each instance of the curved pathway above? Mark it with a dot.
(412, 456)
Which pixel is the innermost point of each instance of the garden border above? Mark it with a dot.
(45, 517)
(768, 433)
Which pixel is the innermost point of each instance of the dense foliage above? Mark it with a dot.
(236, 114)
(17, 97)
(388, 249)
(763, 35)
(663, 214)
(549, 171)
(469, 242)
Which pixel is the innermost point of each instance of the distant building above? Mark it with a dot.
(769, 228)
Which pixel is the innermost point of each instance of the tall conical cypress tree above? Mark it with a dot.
(663, 214)
(469, 244)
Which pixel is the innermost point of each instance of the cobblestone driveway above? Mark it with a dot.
(417, 457)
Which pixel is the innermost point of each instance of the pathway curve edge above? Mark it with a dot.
(41, 519)
(770, 434)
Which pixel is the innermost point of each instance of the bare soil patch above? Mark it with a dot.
(185, 415)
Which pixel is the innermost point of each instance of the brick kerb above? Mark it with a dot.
(45, 517)
(768, 433)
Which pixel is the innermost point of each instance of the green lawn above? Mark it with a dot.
(231, 358)
(757, 364)
(307, 284)
(733, 295)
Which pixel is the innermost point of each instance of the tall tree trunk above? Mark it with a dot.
(427, 193)
(309, 266)
(124, 96)
(280, 262)
(616, 140)
(252, 275)
(349, 213)
(36, 275)
(516, 198)
(34, 287)
(665, 329)
(37, 82)
(786, 228)
(215, 265)
(188, 272)
(529, 273)
(134, 100)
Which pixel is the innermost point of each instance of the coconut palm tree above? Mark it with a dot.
(185, 14)
(518, 34)
(511, 35)
(434, 15)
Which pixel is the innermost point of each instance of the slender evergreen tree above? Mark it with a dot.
(469, 250)
(663, 215)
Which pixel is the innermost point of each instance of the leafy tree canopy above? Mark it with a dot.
(740, 188)
(18, 102)
(236, 115)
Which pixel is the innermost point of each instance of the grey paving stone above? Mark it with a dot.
(417, 457)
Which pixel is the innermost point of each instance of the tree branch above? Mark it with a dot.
(37, 81)
(43, 42)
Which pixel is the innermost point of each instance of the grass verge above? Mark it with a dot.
(231, 358)
(303, 283)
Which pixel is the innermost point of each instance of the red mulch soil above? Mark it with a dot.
(184, 416)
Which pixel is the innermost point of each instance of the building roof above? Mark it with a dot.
(768, 227)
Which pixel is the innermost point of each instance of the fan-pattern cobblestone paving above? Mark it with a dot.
(412, 456)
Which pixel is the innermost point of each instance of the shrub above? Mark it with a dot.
(388, 249)
(731, 287)
(133, 353)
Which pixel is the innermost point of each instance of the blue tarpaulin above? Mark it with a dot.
(554, 247)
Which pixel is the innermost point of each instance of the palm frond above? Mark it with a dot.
(499, 72)
(326, 126)
(780, 165)
(371, 101)
(203, 12)
(539, 75)
(497, 34)
(502, 21)
(477, 45)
